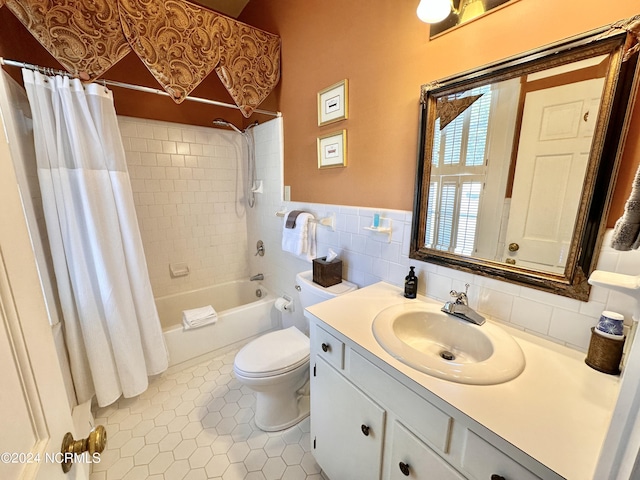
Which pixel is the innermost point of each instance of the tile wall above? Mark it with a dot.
(370, 257)
(185, 183)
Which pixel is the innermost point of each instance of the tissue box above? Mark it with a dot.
(327, 273)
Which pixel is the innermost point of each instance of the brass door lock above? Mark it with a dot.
(94, 443)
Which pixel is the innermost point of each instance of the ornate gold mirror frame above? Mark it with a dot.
(619, 45)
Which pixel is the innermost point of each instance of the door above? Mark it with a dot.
(34, 409)
(557, 128)
(347, 427)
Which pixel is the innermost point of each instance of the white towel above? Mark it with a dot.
(199, 317)
(300, 240)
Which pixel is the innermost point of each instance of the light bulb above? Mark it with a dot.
(433, 11)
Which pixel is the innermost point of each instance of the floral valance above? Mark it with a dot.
(179, 42)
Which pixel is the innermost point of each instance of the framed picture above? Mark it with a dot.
(332, 150)
(333, 103)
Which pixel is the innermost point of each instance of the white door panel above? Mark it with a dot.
(557, 129)
(35, 411)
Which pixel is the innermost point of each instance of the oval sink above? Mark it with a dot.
(421, 336)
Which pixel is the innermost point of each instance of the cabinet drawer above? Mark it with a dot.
(412, 459)
(329, 347)
(482, 460)
(426, 420)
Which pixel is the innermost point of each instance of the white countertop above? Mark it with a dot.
(557, 410)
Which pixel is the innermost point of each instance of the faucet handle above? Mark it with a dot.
(461, 297)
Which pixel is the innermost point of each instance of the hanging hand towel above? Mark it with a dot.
(301, 239)
(626, 232)
(199, 317)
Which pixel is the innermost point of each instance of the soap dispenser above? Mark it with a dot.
(411, 284)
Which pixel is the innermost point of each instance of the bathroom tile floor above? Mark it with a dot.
(196, 423)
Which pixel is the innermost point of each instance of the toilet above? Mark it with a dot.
(276, 365)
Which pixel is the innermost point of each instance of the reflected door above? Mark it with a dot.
(557, 129)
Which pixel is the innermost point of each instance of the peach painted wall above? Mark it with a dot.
(385, 52)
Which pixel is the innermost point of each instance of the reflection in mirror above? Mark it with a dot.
(498, 196)
(518, 161)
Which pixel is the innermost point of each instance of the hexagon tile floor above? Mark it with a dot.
(197, 423)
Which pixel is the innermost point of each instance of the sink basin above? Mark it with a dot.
(421, 336)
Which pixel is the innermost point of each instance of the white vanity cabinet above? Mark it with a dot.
(366, 424)
(347, 442)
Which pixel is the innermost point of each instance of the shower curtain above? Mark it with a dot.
(111, 325)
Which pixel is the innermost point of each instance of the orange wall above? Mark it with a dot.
(385, 52)
(16, 43)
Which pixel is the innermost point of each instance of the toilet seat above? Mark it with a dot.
(273, 354)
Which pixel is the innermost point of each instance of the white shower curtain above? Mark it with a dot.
(112, 330)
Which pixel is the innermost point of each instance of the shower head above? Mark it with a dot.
(220, 122)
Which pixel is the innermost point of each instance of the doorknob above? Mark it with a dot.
(514, 247)
(94, 443)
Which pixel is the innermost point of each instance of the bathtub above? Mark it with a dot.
(242, 314)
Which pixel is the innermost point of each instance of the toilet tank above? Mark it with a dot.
(312, 293)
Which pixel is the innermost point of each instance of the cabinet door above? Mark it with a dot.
(347, 427)
(412, 459)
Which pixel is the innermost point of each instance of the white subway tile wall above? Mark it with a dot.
(172, 233)
(185, 182)
(369, 257)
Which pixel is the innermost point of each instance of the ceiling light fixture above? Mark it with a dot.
(433, 11)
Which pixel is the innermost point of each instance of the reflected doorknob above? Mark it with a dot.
(514, 247)
(94, 443)
(510, 261)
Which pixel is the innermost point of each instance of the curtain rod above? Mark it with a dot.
(139, 88)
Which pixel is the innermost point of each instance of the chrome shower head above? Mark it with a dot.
(220, 122)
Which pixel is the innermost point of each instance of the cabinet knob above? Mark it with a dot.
(404, 468)
(495, 476)
(325, 347)
(365, 430)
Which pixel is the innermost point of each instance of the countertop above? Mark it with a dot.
(557, 410)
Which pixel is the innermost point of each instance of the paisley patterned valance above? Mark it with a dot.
(249, 64)
(179, 42)
(449, 109)
(83, 35)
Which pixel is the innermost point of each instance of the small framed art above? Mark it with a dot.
(333, 103)
(332, 150)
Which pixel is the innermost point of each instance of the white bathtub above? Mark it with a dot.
(241, 315)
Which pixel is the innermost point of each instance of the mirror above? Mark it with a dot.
(518, 160)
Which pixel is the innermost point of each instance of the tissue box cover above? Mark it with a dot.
(327, 273)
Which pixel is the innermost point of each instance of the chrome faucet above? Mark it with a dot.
(258, 276)
(460, 307)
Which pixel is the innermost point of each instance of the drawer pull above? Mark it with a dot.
(495, 476)
(325, 347)
(365, 430)
(404, 468)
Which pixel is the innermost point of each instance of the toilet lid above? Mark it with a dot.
(272, 354)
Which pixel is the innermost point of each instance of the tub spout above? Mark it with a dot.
(258, 276)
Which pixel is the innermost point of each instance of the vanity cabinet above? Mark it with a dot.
(346, 441)
(367, 424)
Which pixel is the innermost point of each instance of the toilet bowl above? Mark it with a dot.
(276, 365)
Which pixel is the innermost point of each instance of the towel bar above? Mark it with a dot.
(329, 221)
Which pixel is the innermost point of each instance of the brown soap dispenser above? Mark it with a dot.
(411, 284)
